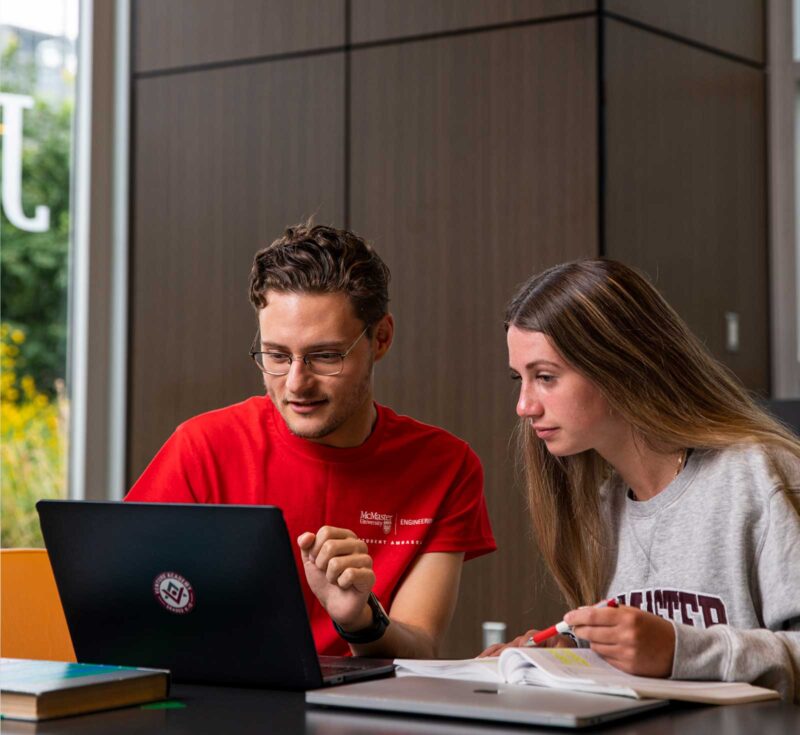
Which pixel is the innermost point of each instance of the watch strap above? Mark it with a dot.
(370, 634)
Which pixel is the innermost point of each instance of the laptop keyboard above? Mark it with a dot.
(332, 665)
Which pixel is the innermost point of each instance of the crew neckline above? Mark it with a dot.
(322, 452)
(671, 493)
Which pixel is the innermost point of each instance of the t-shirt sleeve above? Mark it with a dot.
(462, 521)
(173, 476)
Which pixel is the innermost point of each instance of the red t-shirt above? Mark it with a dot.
(408, 489)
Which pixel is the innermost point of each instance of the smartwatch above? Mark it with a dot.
(380, 621)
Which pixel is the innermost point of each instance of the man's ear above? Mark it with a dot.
(382, 336)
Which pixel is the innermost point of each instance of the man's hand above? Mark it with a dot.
(339, 572)
(557, 641)
(631, 639)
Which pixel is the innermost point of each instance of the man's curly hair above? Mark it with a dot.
(322, 259)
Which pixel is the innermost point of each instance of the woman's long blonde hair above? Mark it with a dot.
(611, 324)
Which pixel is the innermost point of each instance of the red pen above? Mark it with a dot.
(562, 627)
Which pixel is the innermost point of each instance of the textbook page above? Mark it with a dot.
(470, 669)
(564, 668)
(515, 667)
(581, 669)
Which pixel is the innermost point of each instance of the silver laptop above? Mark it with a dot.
(472, 700)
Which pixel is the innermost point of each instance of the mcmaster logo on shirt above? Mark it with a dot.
(689, 608)
(387, 520)
(373, 518)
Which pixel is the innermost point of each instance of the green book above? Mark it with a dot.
(41, 690)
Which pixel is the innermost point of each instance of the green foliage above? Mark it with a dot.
(18, 78)
(34, 266)
(33, 335)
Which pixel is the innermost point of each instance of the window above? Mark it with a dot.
(38, 43)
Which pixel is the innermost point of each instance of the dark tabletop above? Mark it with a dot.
(205, 709)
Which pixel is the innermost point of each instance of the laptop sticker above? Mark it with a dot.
(174, 592)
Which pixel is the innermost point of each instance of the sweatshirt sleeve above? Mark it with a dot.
(769, 656)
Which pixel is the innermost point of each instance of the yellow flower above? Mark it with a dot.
(28, 386)
(32, 446)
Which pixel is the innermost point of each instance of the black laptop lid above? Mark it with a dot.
(210, 592)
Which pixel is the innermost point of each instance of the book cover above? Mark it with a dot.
(38, 690)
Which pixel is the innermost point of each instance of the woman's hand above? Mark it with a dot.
(631, 639)
(557, 641)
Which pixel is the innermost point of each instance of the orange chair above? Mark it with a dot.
(33, 623)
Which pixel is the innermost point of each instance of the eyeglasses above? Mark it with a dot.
(273, 362)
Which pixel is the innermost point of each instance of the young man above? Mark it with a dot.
(384, 508)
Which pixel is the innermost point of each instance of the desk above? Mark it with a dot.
(246, 711)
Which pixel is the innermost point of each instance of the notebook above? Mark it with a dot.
(475, 700)
(210, 592)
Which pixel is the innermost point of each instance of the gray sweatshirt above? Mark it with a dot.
(717, 552)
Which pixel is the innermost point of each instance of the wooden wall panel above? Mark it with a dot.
(735, 26)
(223, 161)
(381, 19)
(473, 166)
(686, 185)
(182, 33)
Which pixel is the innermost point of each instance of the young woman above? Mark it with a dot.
(653, 478)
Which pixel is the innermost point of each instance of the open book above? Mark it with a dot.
(581, 670)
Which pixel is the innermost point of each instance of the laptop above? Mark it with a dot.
(472, 700)
(210, 592)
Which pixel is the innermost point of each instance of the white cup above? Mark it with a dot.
(493, 632)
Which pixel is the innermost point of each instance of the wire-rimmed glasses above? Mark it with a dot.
(325, 362)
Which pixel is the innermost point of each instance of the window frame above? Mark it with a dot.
(98, 293)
